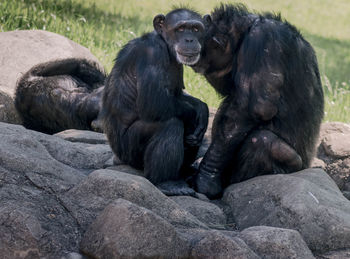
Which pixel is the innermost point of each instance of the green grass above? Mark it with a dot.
(104, 26)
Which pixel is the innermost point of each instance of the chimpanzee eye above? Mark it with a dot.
(180, 29)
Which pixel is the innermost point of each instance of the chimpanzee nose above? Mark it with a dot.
(189, 40)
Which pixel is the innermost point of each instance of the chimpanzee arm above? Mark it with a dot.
(158, 96)
(230, 127)
(199, 122)
(155, 102)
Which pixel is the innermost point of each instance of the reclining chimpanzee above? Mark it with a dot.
(60, 95)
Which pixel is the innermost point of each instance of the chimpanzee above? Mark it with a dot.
(273, 103)
(151, 124)
(60, 95)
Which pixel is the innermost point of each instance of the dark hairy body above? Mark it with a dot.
(273, 103)
(151, 124)
(60, 95)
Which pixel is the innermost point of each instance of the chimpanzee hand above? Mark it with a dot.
(208, 183)
(201, 124)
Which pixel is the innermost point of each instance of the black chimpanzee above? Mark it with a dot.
(273, 102)
(60, 95)
(149, 121)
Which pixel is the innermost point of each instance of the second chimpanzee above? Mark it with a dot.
(270, 117)
(61, 94)
(149, 121)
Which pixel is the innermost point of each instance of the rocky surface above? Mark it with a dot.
(307, 201)
(61, 197)
(269, 242)
(334, 151)
(207, 212)
(88, 198)
(217, 245)
(125, 230)
(35, 47)
(34, 221)
(83, 136)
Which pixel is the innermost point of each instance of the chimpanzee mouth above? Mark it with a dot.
(188, 59)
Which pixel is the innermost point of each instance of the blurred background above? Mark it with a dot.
(104, 26)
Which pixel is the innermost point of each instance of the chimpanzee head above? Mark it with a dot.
(217, 52)
(183, 31)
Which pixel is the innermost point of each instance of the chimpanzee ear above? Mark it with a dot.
(207, 20)
(220, 41)
(158, 23)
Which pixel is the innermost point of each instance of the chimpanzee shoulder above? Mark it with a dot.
(149, 48)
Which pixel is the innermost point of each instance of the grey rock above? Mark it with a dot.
(83, 136)
(109, 164)
(340, 254)
(347, 186)
(125, 230)
(126, 169)
(334, 151)
(20, 234)
(336, 145)
(73, 255)
(22, 151)
(329, 128)
(347, 194)
(35, 47)
(34, 175)
(101, 187)
(339, 170)
(318, 163)
(207, 212)
(77, 155)
(269, 242)
(214, 244)
(307, 201)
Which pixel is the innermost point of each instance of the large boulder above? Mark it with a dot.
(334, 150)
(217, 245)
(35, 171)
(20, 51)
(88, 198)
(269, 242)
(51, 194)
(83, 136)
(307, 201)
(125, 230)
(205, 211)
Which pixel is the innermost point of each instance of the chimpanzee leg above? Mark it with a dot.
(129, 143)
(164, 157)
(264, 153)
(195, 126)
(158, 149)
(165, 152)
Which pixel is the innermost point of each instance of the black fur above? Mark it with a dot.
(149, 121)
(273, 102)
(60, 95)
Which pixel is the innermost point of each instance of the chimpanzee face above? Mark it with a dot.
(183, 31)
(217, 52)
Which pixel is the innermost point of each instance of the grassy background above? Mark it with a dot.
(104, 26)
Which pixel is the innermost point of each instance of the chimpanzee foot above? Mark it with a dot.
(209, 184)
(176, 188)
(96, 125)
